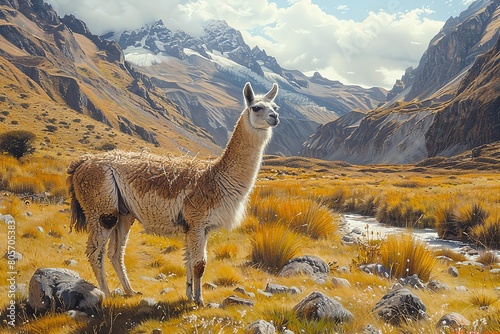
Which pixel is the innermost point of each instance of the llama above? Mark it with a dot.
(168, 194)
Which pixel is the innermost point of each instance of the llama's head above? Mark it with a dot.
(261, 109)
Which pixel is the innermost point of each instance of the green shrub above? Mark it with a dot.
(17, 143)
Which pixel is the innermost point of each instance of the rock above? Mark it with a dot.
(400, 305)
(209, 286)
(495, 271)
(7, 219)
(166, 290)
(62, 290)
(471, 263)
(79, 315)
(412, 281)
(147, 302)
(461, 288)
(349, 239)
(453, 271)
(157, 331)
(117, 292)
(376, 269)
(260, 327)
(40, 229)
(370, 329)
(444, 259)
(70, 262)
(338, 282)
(276, 288)
(356, 230)
(213, 305)
(436, 286)
(244, 292)
(307, 264)
(318, 306)
(161, 277)
(234, 300)
(267, 294)
(343, 270)
(13, 256)
(453, 320)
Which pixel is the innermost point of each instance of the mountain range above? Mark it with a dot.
(154, 87)
(449, 104)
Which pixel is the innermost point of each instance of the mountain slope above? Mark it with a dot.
(59, 64)
(453, 99)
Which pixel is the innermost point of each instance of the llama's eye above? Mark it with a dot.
(256, 108)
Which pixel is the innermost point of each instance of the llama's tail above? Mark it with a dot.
(78, 219)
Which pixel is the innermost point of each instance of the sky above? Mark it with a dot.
(363, 42)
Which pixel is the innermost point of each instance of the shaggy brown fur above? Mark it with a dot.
(169, 194)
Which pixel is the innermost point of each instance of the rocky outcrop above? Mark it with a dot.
(62, 290)
(400, 306)
(453, 101)
(318, 306)
(473, 117)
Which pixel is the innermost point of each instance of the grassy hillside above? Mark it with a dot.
(295, 206)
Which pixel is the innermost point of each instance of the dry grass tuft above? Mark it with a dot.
(272, 246)
(406, 256)
(226, 251)
(483, 298)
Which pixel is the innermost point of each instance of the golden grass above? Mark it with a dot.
(272, 246)
(148, 255)
(405, 256)
(226, 251)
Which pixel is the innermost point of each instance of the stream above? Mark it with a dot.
(360, 223)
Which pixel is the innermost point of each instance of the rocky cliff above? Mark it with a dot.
(443, 107)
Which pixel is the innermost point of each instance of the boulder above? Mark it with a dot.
(412, 281)
(62, 290)
(307, 264)
(318, 306)
(234, 300)
(260, 327)
(338, 282)
(453, 320)
(276, 288)
(400, 305)
(436, 286)
(376, 269)
(453, 271)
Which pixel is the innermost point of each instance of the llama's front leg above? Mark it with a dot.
(116, 251)
(196, 262)
(95, 252)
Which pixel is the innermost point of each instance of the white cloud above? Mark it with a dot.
(301, 36)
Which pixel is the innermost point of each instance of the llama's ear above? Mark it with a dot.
(248, 94)
(272, 93)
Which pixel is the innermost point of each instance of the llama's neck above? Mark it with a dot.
(242, 157)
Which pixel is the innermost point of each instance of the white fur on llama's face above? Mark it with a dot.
(262, 111)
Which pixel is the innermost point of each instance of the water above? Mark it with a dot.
(379, 230)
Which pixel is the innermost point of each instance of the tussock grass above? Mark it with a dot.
(272, 246)
(226, 251)
(483, 298)
(488, 258)
(406, 256)
(449, 253)
(227, 275)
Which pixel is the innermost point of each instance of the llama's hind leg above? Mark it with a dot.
(116, 251)
(196, 244)
(95, 252)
